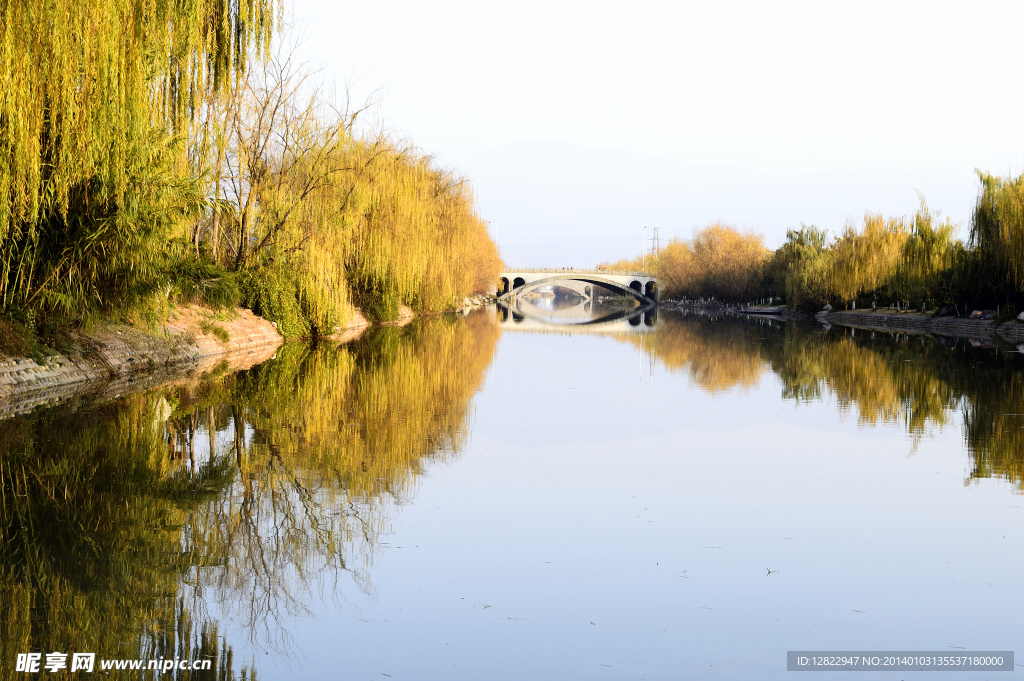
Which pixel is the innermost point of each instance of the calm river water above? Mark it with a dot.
(495, 497)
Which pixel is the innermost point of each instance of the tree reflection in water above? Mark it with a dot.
(919, 382)
(262, 486)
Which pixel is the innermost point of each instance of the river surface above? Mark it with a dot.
(663, 496)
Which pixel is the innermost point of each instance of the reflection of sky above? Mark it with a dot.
(550, 304)
(621, 525)
(560, 311)
(553, 303)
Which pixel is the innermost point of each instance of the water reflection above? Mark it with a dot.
(253, 488)
(130, 525)
(581, 315)
(94, 506)
(335, 433)
(920, 382)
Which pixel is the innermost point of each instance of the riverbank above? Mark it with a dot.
(877, 320)
(116, 358)
(960, 327)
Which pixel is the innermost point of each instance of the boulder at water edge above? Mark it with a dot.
(827, 308)
(1020, 318)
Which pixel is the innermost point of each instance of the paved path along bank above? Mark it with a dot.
(914, 321)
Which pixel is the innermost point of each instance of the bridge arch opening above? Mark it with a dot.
(651, 289)
(636, 286)
(517, 282)
(503, 286)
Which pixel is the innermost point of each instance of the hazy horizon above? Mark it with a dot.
(764, 116)
(561, 204)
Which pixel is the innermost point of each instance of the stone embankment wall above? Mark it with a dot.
(939, 326)
(117, 358)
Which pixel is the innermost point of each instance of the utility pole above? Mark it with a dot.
(643, 251)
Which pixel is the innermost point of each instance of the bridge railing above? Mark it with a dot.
(560, 270)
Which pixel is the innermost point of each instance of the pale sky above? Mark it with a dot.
(781, 91)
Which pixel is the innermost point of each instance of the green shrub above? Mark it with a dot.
(277, 293)
(377, 299)
(273, 294)
(201, 281)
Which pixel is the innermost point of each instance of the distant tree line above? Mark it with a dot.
(156, 152)
(905, 261)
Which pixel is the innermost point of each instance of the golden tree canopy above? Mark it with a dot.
(83, 81)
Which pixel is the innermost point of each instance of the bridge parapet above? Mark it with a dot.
(572, 270)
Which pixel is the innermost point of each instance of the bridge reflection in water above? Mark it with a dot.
(567, 316)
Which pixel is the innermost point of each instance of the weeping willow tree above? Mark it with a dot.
(886, 259)
(94, 100)
(275, 178)
(863, 260)
(894, 259)
(366, 222)
(316, 217)
(152, 150)
(801, 266)
(930, 253)
(995, 267)
(413, 234)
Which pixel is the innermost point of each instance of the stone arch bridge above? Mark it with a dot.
(641, 286)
